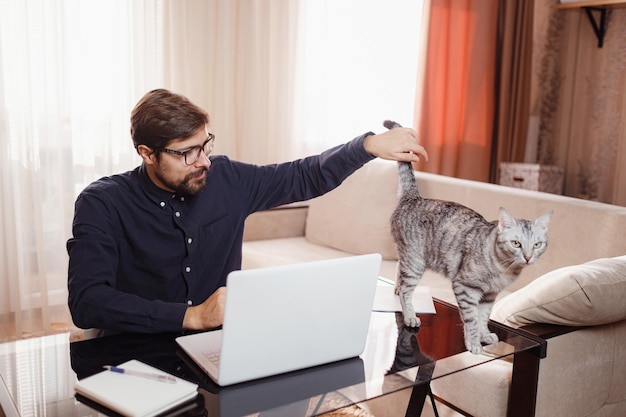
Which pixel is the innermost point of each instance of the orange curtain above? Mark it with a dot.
(458, 102)
(513, 78)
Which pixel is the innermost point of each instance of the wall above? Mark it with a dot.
(579, 100)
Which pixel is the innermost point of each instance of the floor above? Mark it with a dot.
(30, 324)
(395, 405)
(442, 411)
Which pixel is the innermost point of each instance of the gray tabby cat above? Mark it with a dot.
(480, 257)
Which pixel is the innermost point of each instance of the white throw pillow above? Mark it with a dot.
(589, 294)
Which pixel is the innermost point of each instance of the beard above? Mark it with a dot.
(192, 184)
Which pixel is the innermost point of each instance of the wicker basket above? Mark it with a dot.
(547, 178)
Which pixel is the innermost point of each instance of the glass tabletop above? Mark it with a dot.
(38, 375)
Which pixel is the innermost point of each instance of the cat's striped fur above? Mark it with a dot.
(480, 257)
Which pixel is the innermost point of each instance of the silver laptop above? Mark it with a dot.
(290, 317)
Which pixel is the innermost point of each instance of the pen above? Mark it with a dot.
(150, 375)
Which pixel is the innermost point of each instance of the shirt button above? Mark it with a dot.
(162, 204)
(182, 199)
(177, 214)
(189, 240)
(189, 302)
(188, 269)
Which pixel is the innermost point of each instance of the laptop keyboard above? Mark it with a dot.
(213, 356)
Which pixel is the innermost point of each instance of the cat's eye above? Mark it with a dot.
(516, 244)
(537, 245)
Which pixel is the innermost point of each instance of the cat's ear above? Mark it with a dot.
(505, 220)
(544, 220)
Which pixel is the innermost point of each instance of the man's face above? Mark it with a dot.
(170, 171)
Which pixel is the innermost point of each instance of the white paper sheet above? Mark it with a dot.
(386, 300)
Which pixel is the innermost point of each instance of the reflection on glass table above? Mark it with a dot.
(39, 374)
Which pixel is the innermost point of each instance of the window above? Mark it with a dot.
(357, 66)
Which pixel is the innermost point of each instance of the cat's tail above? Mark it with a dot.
(406, 180)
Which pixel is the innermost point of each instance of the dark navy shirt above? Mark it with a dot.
(140, 255)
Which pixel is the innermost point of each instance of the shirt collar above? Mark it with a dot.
(158, 195)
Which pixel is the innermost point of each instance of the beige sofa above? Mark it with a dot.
(579, 309)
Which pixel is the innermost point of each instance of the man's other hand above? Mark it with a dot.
(208, 315)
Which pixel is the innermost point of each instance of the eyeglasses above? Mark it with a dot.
(192, 154)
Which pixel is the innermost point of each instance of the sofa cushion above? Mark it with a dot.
(581, 295)
(355, 216)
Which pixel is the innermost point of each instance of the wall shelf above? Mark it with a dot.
(590, 7)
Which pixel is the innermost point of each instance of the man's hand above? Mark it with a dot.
(208, 315)
(399, 144)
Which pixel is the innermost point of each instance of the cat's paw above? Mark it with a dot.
(489, 338)
(412, 321)
(474, 347)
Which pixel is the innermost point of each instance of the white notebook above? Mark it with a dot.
(132, 395)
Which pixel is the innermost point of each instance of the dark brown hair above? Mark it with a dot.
(161, 116)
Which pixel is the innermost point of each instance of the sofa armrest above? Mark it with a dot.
(277, 223)
(585, 365)
(548, 331)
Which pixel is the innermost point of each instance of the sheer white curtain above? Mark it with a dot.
(236, 59)
(70, 72)
(283, 79)
(357, 65)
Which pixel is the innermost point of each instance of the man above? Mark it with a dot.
(152, 247)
